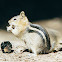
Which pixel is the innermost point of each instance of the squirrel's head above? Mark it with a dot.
(18, 23)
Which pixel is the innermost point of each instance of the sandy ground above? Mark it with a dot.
(27, 56)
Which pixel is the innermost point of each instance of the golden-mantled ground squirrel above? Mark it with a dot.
(36, 38)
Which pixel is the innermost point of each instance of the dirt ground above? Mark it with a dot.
(27, 56)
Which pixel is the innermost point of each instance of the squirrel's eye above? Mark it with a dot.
(14, 19)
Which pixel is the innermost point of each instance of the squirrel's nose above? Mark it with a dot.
(9, 29)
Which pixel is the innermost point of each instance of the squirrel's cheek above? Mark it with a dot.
(15, 31)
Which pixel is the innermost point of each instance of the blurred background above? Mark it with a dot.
(35, 9)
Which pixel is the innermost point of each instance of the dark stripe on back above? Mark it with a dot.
(45, 33)
(33, 31)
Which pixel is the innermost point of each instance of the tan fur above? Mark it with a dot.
(55, 39)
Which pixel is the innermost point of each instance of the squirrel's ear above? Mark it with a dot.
(22, 14)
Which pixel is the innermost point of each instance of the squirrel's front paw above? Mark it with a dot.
(19, 50)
